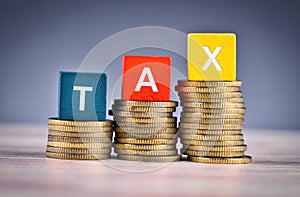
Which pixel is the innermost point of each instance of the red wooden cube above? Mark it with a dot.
(146, 78)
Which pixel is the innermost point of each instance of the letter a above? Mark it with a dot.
(146, 71)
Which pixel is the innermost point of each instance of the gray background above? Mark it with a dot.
(39, 38)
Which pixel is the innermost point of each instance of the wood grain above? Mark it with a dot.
(24, 170)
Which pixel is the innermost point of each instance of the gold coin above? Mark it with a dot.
(145, 147)
(79, 150)
(146, 125)
(209, 83)
(238, 160)
(146, 136)
(77, 156)
(213, 137)
(212, 105)
(218, 148)
(145, 141)
(211, 126)
(236, 94)
(213, 154)
(211, 121)
(78, 139)
(76, 129)
(145, 120)
(147, 153)
(211, 143)
(209, 116)
(214, 110)
(143, 109)
(145, 131)
(149, 159)
(146, 103)
(57, 122)
(206, 89)
(78, 145)
(212, 100)
(209, 132)
(81, 134)
(142, 114)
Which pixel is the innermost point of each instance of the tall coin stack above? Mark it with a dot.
(211, 121)
(145, 131)
(79, 140)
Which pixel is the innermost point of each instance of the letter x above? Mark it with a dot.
(212, 58)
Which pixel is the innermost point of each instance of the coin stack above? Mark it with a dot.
(211, 121)
(79, 140)
(145, 131)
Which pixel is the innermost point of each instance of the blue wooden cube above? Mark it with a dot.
(82, 96)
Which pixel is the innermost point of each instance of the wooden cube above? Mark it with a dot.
(146, 78)
(82, 96)
(212, 56)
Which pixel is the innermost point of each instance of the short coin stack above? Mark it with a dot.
(211, 121)
(79, 140)
(145, 131)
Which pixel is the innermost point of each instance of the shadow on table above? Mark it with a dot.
(22, 154)
(278, 163)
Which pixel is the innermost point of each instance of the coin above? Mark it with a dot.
(149, 159)
(142, 114)
(145, 120)
(146, 136)
(145, 141)
(213, 154)
(213, 110)
(81, 134)
(239, 160)
(211, 126)
(236, 94)
(209, 132)
(218, 148)
(212, 105)
(56, 121)
(144, 130)
(145, 147)
(143, 109)
(147, 153)
(78, 139)
(211, 121)
(145, 125)
(79, 150)
(77, 156)
(209, 115)
(213, 137)
(206, 89)
(209, 83)
(212, 100)
(146, 103)
(80, 129)
(211, 143)
(78, 145)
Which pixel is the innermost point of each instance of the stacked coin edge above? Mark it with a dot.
(145, 130)
(211, 121)
(79, 140)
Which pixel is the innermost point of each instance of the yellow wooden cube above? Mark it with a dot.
(212, 56)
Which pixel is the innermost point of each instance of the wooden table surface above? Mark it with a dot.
(25, 171)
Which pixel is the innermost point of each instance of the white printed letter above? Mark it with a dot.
(212, 58)
(146, 71)
(82, 90)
